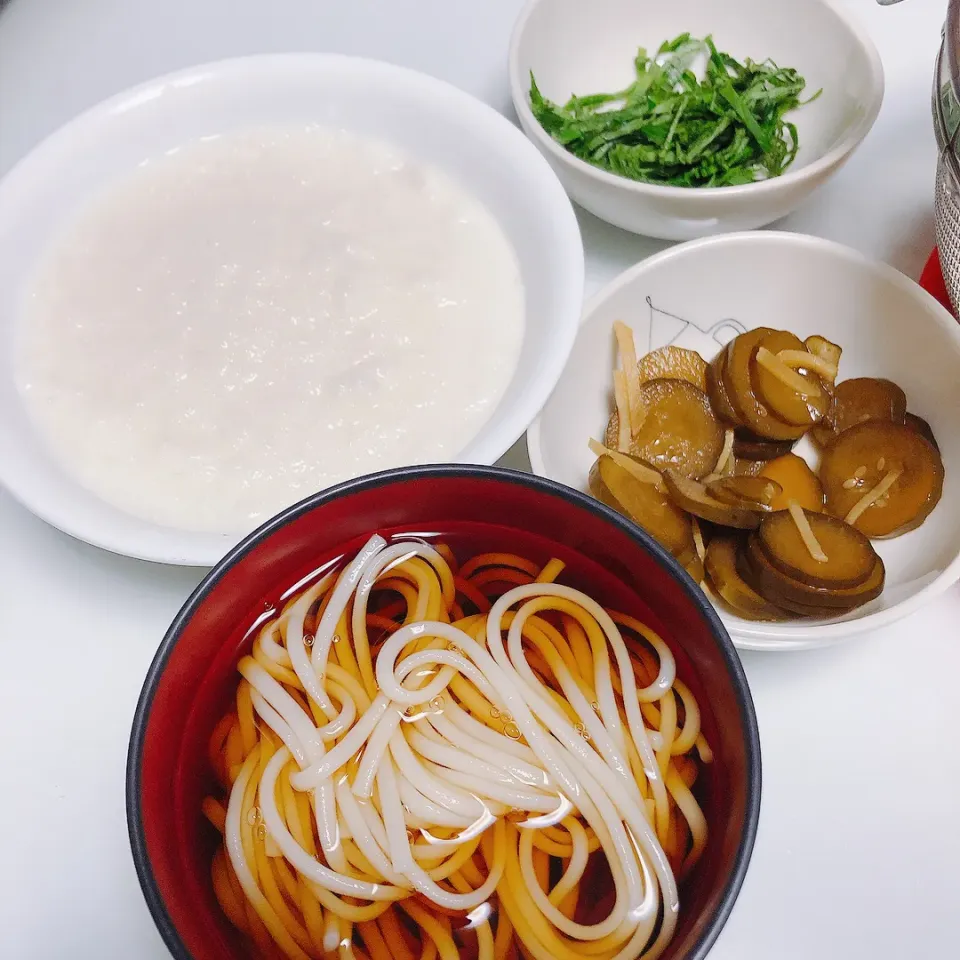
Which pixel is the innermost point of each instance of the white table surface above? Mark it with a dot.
(859, 841)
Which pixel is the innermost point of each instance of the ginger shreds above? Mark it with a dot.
(636, 470)
(628, 364)
(806, 533)
(698, 540)
(725, 453)
(801, 360)
(789, 378)
(872, 496)
(638, 413)
(623, 410)
(730, 469)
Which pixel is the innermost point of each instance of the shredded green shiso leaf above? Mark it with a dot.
(670, 127)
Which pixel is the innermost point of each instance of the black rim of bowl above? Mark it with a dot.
(148, 883)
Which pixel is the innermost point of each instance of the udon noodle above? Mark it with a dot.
(425, 761)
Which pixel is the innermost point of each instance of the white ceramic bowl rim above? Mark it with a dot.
(168, 545)
(854, 134)
(792, 636)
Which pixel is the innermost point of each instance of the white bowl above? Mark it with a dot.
(700, 295)
(424, 116)
(575, 47)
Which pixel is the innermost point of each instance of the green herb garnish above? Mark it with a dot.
(669, 127)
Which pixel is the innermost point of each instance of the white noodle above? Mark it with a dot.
(238, 859)
(443, 792)
(331, 616)
(368, 834)
(593, 803)
(309, 866)
(412, 759)
(373, 752)
(466, 745)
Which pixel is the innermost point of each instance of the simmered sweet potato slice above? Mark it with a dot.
(679, 429)
(846, 557)
(751, 492)
(858, 400)
(692, 496)
(883, 478)
(748, 446)
(801, 597)
(797, 482)
(795, 396)
(922, 427)
(740, 388)
(673, 363)
(721, 568)
(717, 391)
(643, 503)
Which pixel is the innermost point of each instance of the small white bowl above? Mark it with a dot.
(701, 294)
(421, 115)
(576, 47)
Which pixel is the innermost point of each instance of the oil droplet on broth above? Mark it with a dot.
(511, 730)
(412, 713)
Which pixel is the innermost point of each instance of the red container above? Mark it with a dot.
(932, 280)
(474, 509)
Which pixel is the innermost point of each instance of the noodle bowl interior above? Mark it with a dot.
(438, 754)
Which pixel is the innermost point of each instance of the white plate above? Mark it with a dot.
(699, 295)
(421, 115)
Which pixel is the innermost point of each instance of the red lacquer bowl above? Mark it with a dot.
(475, 509)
